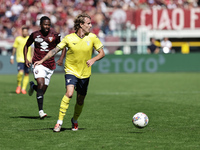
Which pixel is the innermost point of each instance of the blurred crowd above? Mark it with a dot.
(107, 15)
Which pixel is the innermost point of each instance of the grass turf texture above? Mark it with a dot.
(171, 101)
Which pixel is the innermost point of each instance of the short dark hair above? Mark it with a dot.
(80, 19)
(44, 18)
(152, 38)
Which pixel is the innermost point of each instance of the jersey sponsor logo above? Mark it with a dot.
(44, 45)
(38, 39)
(74, 43)
(50, 39)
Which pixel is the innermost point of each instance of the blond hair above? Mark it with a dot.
(80, 19)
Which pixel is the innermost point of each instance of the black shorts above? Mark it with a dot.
(22, 66)
(80, 85)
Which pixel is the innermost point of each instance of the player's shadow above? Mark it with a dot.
(11, 92)
(138, 132)
(62, 129)
(30, 117)
(69, 129)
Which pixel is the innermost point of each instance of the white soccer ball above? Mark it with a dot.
(140, 120)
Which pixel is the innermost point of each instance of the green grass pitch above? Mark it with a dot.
(171, 101)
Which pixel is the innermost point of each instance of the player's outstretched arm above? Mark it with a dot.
(47, 56)
(98, 57)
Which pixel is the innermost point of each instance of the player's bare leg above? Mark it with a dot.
(33, 88)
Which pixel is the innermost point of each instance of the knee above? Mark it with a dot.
(20, 73)
(69, 94)
(40, 85)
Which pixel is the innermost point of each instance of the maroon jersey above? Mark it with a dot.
(42, 45)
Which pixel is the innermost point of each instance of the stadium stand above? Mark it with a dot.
(16, 13)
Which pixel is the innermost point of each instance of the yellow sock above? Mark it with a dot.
(63, 107)
(19, 78)
(25, 82)
(77, 111)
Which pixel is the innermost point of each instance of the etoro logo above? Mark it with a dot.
(130, 64)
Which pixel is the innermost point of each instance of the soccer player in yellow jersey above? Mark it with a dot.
(18, 47)
(77, 66)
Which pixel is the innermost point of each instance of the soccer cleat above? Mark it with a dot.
(57, 128)
(23, 91)
(18, 90)
(42, 114)
(74, 125)
(31, 90)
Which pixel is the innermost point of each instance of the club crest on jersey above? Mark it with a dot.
(88, 43)
(50, 39)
